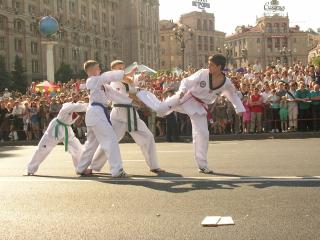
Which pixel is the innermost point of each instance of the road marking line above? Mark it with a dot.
(159, 179)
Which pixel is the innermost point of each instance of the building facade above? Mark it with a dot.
(270, 40)
(200, 40)
(315, 52)
(89, 29)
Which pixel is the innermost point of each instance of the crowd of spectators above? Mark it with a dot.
(279, 98)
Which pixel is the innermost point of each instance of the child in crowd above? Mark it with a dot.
(284, 113)
(246, 115)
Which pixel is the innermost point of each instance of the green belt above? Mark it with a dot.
(128, 106)
(66, 137)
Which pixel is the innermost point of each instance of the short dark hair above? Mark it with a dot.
(219, 60)
(89, 63)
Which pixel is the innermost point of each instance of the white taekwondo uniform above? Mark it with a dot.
(59, 130)
(125, 118)
(99, 128)
(194, 103)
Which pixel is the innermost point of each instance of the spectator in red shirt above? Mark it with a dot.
(255, 103)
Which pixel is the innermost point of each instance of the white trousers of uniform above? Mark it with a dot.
(101, 134)
(48, 142)
(200, 135)
(143, 137)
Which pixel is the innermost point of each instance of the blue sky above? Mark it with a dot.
(230, 13)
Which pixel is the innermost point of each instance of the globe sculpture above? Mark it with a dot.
(48, 26)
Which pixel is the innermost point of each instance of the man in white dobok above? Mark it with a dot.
(125, 118)
(195, 92)
(100, 131)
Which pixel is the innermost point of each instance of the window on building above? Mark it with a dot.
(94, 15)
(18, 45)
(276, 27)
(97, 56)
(34, 48)
(294, 40)
(72, 7)
(34, 28)
(284, 27)
(59, 5)
(87, 41)
(18, 25)
(162, 38)
(285, 42)
(199, 24)
(258, 40)
(199, 42)
(163, 51)
(62, 54)
(2, 43)
(277, 43)
(86, 55)
(16, 4)
(32, 10)
(35, 66)
(205, 25)
(84, 11)
(269, 43)
(112, 20)
(163, 63)
(205, 40)
(3, 22)
(211, 25)
(3, 3)
(3, 61)
(269, 28)
(74, 54)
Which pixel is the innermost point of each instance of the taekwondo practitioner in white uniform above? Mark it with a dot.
(97, 119)
(60, 130)
(195, 92)
(125, 118)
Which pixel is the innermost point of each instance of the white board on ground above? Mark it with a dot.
(216, 221)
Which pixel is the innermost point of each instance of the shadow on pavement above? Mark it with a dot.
(176, 183)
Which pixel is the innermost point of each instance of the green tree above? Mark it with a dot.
(5, 78)
(64, 73)
(19, 78)
(316, 61)
(82, 74)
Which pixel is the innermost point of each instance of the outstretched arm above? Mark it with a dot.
(231, 94)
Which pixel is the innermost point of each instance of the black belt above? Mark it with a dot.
(128, 106)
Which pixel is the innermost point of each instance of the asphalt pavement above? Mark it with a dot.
(270, 188)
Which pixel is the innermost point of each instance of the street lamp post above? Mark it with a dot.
(285, 53)
(244, 54)
(181, 32)
(228, 53)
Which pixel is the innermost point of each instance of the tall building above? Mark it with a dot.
(200, 40)
(271, 39)
(90, 29)
(140, 31)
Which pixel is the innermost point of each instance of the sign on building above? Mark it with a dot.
(201, 4)
(273, 6)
